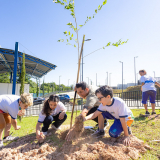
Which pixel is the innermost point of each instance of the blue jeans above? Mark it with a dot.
(49, 119)
(116, 128)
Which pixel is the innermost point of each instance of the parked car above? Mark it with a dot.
(38, 100)
(64, 98)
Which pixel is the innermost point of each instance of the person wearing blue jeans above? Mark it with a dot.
(49, 119)
(53, 110)
(148, 90)
(112, 108)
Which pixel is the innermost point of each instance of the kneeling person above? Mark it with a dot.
(9, 109)
(53, 110)
(113, 108)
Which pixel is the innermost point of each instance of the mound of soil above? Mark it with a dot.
(76, 131)
(85, 148)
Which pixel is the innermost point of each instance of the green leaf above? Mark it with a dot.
(70, 38)
(65, 32)
(96, 10)
(68, 44)
(104, 2)
(103, 47)
(89, 17)
(69, 23)
(76, 39)
(74, 45)
(80, 25)
(72, 35)
(67, 40)
(99, 7)
(58, 40)
(69, 33)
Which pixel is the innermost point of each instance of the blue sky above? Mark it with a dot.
(38, 25)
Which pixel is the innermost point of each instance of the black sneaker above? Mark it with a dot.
(98, 134)
(153, 113)
(129, 130)
(147, 113)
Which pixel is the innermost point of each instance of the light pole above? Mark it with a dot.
(122, 78)
(110, 79)
(88, 80)
(91, 81)
(135, 68)
(154, 73)
(107, 78)
(96, 79)
(59, 83)
(82, 59)
(68, 82)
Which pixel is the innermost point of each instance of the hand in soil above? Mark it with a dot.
(18, 127)
(127, 141)
(40, 137)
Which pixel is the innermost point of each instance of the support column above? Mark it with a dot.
(15, 68)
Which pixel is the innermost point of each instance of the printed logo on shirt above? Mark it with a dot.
(149, 81)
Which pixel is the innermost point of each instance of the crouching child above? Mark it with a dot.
(9, 109)
(112, 108)
(53, 110)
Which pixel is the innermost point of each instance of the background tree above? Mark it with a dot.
(22, 77)
(5, 77)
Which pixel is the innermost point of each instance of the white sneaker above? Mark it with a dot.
(1, 143)
(45, 133)
(106, 125)
(10, 138)
(53, 126)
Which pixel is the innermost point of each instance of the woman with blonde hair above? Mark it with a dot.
(9, 109)
(148, 90)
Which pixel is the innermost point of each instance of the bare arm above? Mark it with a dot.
(156, 83)
(14, 124)
(93, 115)
(126, 140)
(124, 126)
(38, 128)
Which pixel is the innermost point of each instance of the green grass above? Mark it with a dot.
(143, 128)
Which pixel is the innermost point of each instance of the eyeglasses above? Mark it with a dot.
(100, 98)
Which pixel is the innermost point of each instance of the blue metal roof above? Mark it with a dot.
(34, 66)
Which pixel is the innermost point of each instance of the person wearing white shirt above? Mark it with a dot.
(112, 108)
(53, 110)
(148, 90)
(9, 109)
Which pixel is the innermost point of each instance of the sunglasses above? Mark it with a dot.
(100, 98)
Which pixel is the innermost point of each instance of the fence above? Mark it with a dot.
(132, 99)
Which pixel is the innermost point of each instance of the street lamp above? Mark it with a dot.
(59, 83)
(122, 78)
(154, 73)
(135, 68)
(110, 79)
(107, 78)
(68, 82)
(88, 80)
(82, 58)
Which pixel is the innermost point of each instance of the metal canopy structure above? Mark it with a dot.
(34, 66)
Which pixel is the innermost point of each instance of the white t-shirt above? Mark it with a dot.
(117, 109)
(149, 83)
(60, 107)
(9, 104)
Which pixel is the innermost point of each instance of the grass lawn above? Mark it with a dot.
(143, 128)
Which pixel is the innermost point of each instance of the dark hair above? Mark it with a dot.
(83, 85)
(105, 91)
(46, 109)
(143, 71)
